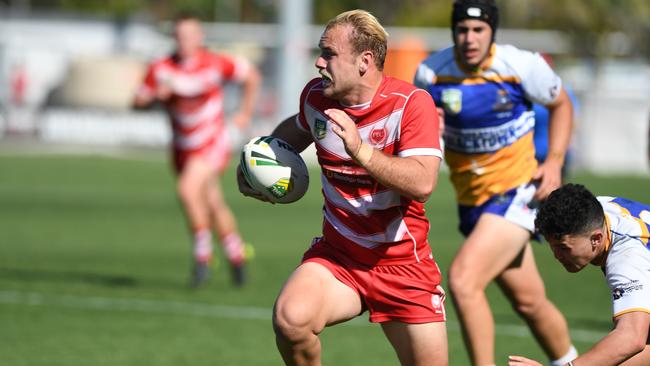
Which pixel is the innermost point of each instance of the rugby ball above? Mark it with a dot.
(274, 168)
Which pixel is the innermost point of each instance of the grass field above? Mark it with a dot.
(94, 264)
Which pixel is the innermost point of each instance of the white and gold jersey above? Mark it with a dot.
(627, 268)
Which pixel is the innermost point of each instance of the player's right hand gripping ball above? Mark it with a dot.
(274, 168)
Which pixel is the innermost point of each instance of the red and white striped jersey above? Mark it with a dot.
(367, 221)
(196, 105)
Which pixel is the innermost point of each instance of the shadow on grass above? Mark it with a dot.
(603, 324)
(42, 275)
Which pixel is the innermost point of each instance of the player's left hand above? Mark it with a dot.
(345, 128)
(549, 175)
(241, 119)
(246, 189)
(522, 361)
(441, 120)
(164, 92)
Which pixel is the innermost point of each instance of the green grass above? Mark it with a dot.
(94, 263)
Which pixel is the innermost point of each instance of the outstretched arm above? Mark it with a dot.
(627, 340)
(251, 86)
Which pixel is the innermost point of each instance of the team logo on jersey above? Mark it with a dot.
(378, 136)
(503, 103)
(320, 128)
(452, 100)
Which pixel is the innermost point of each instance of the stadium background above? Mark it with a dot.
(92, 242)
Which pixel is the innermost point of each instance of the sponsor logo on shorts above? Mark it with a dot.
(626, 289)
(438, 301)
(435, 300)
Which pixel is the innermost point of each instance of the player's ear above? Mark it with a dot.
(596, 238)
(365, 61)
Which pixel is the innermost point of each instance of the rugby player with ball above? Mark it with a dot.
(378, 149)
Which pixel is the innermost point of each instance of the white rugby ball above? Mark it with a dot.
(274, 168)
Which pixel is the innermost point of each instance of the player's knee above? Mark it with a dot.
(217, 205)
(529, 306)
(292, 323)
(462, 283)
(185, 190)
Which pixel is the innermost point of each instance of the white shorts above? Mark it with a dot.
(516, 205)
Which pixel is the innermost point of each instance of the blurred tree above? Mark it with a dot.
(389, 12)
(597, 27)
(248, 11)
(116, 8)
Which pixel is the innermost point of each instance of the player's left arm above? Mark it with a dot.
(145, 95)
(414, 177)
(250, 89)
(560, 128)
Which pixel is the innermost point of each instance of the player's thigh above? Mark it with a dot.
(418, 344)
(195, 175)
(213, 189)
(521, 282)
(313, 296)
(640, 359)
(490, 248)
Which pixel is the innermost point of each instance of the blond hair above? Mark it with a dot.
(367, 34)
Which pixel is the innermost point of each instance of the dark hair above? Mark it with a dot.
(186, 15)
(569, 210)
(485, 10)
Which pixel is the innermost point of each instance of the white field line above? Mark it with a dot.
(219, 311)
(37, 150)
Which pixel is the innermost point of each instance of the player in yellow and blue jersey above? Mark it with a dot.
(611, 233)
(485, 92)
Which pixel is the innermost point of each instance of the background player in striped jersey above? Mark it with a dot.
(485, 92)
(378, 149)
(611, 233)
(189, 84)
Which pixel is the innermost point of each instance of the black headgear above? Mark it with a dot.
(486, 11)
